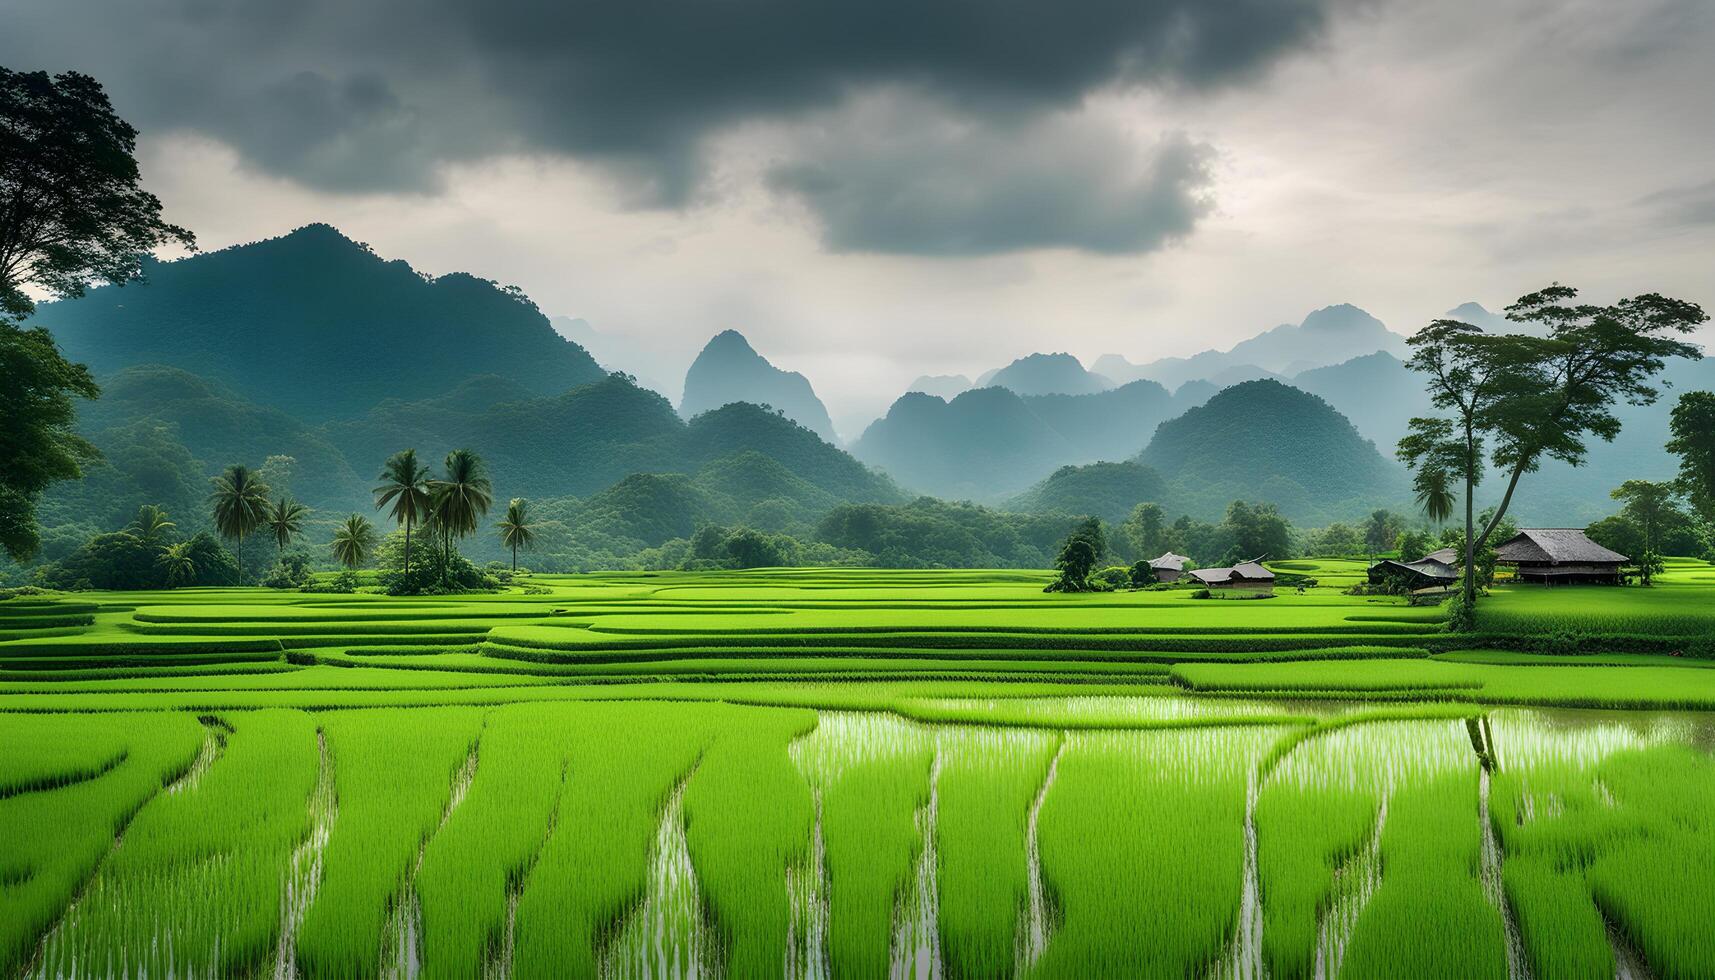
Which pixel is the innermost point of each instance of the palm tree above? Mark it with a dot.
(405, 485)
(1435, 493)
(462, 498)
(286, 521)
(515, 529)
(353, 541)
(240, 503)
(177, 563)
(151, 522)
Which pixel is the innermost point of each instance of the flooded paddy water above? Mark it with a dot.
(1088, 835)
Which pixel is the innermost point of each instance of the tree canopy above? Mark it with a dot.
(1693, 428)
(72, 213)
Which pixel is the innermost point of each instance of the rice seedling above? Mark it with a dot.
(1430, 917)
(991, 782)
(1657, 886)
(48, 751)
(478, 858)
(595, 868)
(870, 775)
(1305, 836)
(1143, 849)
(56, 835)
(195, 886)
(749, 815)
(393, 772)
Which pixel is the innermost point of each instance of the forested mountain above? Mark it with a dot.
(1376, 392)
(217, 426)
(1266, 441)
(312, 359)
(730, 370)
(1112, 424)
(1046, 374)
(985, 444)
(1327, 336)
(317, 325)
(990, 443)
(1107, 490)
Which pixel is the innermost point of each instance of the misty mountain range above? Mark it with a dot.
(313, 347)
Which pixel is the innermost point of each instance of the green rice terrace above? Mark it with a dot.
(859, 773)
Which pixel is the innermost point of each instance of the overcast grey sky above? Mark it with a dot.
(872, 191)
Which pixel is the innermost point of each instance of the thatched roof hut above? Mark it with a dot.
(1424, 573)
(1168, 567)
(1559, 555)
(1245, 575)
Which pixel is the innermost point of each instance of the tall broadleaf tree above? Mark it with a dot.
(1593, 358)
(405, 490)
(353, 541)
(1469, 374)
(516, 530)
(1539, 398)
(72, 214)
(240, 505)
(1649, 505)
(1693, 441)
(461, 498)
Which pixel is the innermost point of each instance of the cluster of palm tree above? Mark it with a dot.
(449, 507)
(241, 506)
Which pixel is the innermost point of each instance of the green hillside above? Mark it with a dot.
(216, 426)
(1266, 441)
(318, 325)
(983, 445)
(1107, 490)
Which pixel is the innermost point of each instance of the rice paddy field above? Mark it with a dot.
(858, 773)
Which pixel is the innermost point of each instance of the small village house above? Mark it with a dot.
(1168, 567)
(1246, 576)
(1424, 573)
(1559, 556)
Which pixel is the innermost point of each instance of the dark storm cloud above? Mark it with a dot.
(352, 95)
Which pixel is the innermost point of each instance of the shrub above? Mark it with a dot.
(433, 572)
(1200, 594)
(291, 571)
(1110, 579)
(1141, 574)
(344, 582)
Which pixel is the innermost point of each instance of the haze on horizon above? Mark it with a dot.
(879, 191)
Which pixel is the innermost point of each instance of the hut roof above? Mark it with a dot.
(1169, 560)
(1426, 567)
(1446, 556)
(1557, 545)
(1249, 571)
(1252, 570)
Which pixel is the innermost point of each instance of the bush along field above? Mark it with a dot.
(858, 773)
